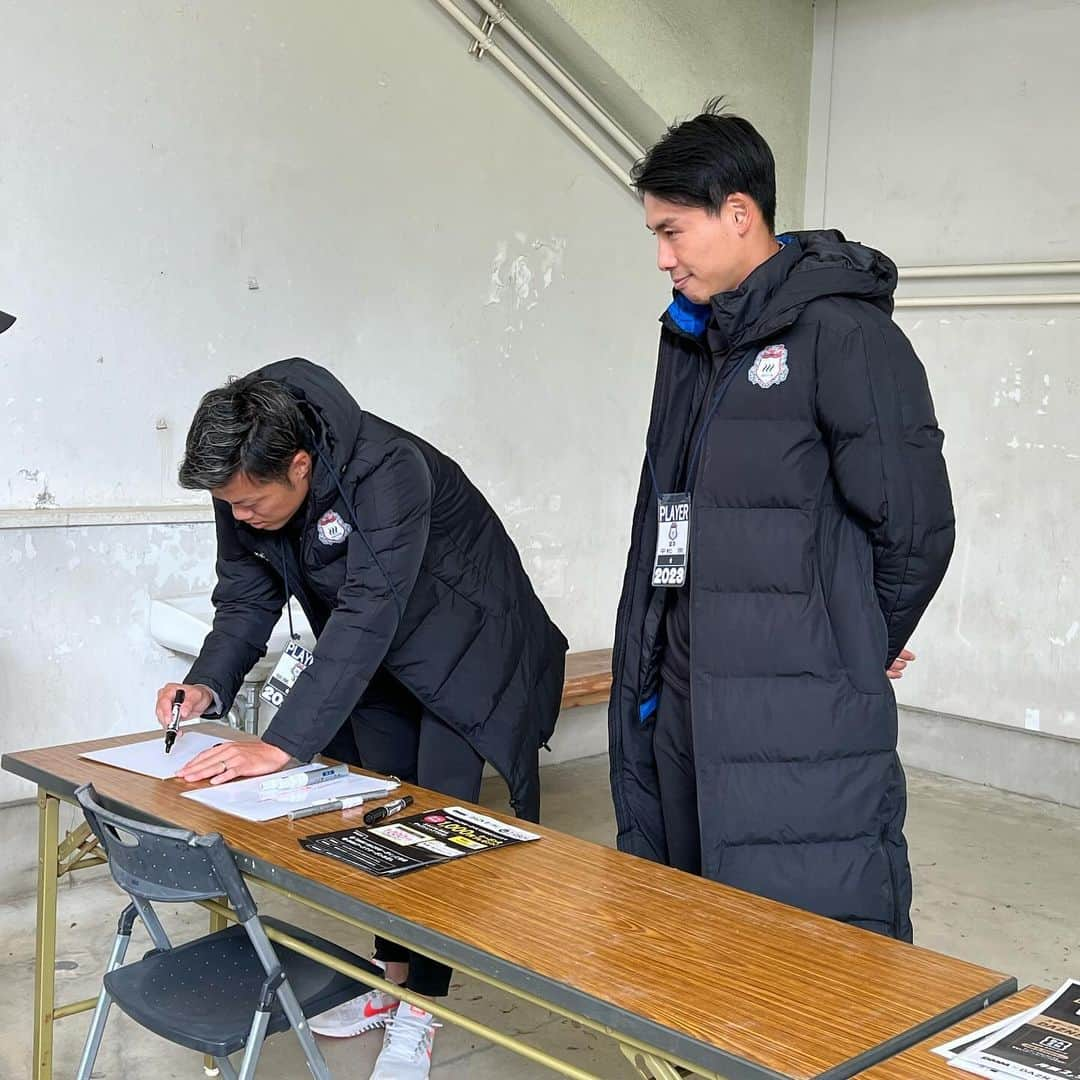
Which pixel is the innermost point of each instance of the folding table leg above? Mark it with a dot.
(651, 1067)
(45, 951)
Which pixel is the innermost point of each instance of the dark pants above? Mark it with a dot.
(673, 746)
(391, 732)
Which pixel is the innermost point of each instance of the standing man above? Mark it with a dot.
(794, 463)
(433, 652)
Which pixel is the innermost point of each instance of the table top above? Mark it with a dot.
(920, 1063)
(725, 980)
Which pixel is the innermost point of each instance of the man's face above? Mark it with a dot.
(268, 504)
(701, 252)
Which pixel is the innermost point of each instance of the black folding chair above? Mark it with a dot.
(220, 993)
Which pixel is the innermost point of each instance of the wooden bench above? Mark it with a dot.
(588, 678)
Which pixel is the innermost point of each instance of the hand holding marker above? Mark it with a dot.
(174, 723)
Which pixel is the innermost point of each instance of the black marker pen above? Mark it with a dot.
(174, 723)
(380, 812)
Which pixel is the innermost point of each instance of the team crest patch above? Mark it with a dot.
(332, 530)
(769, 367)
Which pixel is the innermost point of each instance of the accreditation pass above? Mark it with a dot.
(288, 669)
(672, 540)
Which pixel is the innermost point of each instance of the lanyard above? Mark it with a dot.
(293, 635)
(695, 456)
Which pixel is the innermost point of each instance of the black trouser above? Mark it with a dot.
(673, 747)
(391, 732)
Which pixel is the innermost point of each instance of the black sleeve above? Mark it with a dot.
(248, 600)
(392, 504)
(875, 410)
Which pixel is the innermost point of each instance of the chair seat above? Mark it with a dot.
(203, 994)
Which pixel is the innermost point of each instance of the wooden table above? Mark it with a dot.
(920, 1063)
(679, 970)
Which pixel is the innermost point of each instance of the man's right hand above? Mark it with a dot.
(197, 699)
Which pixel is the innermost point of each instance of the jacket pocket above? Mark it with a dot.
(893, 891)
(845, 572)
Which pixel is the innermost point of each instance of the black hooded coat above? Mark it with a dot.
(398, 562)
(821, 526)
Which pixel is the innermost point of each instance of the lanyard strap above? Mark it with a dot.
(699, 444)
(288, 593)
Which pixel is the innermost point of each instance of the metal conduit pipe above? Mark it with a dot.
(503, 20)
(534, 89)
(499, 17)
(990, 300)
(984, 270)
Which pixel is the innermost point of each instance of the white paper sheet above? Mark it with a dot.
(149, 757)
(241, 797)
(962, 1042)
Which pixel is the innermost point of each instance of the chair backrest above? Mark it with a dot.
(152, 862)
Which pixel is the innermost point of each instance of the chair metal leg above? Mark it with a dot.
(210, 1066)
(152, 923)
(254, 1044)
(45, 953)
(316, 1062)
(265, 952)
(225, 1068)
(101, 1012)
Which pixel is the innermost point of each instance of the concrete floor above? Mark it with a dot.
(996, 881)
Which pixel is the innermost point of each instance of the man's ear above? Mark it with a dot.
(744, 212)
(300, 466)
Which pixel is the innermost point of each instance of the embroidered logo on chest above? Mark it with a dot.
(770, 367)
(332, 530)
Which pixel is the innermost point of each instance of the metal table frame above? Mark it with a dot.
(656, 1051)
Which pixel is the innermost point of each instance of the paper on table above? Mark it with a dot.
(962, 1042)
(242, 797)
(1040, 1044)
(149, 757)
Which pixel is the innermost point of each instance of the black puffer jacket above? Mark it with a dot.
(427, 584)
(821, 526)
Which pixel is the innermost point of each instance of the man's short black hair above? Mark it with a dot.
(252, 425)
(701, 162)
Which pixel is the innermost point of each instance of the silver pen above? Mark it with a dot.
(346, 802)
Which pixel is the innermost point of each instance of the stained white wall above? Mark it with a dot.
(949, 138)
(411, 220)
(678, 55)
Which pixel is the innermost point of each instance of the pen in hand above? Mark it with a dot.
(174, 723)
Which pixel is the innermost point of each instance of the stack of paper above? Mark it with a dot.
(1040, 1044)
(246, 798)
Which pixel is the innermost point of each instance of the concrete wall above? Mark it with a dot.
(409, 218)
(193, 190)
(948, 138)
(676, 56)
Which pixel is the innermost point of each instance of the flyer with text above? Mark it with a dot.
(409, 843)
(1043, 1044)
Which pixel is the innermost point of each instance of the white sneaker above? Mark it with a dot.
(364, 1013)
(406, 1051)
